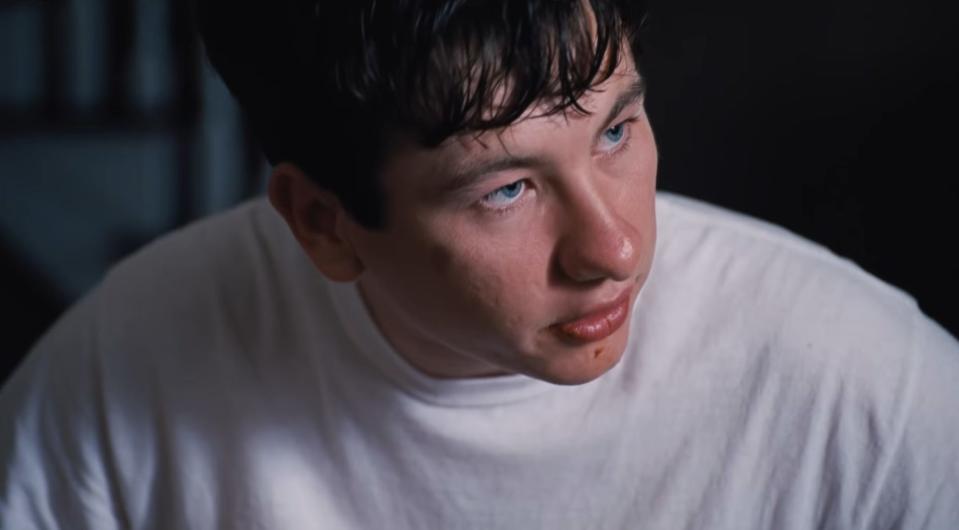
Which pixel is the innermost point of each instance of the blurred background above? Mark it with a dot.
(837, 119)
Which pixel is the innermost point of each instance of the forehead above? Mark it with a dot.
(624, 82)
(538, 135)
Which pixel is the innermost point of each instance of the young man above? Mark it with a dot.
(469, 309)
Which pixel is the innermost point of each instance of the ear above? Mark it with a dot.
(316, 217)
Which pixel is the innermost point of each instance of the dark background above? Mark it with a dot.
(835, 119)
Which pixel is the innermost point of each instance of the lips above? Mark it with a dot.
(598, 323)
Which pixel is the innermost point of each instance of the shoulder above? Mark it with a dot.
(233, 296)
(230, 272)
(846, 362)
(749, 292)
(752, 243)
(178, 338)
(182, 329)
(226, 296)
(219, 248)
(783, 283)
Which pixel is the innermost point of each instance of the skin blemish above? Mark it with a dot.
(597, 352)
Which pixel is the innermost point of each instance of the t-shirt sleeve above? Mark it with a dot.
(919, 487)
(54, 463)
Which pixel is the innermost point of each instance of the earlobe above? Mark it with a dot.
(315, 216)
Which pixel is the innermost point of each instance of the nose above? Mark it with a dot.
(597, 243)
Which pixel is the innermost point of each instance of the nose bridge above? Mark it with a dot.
(597, 242)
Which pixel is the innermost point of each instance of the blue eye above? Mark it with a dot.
(615, 139)
(615, 134)
(505, 195)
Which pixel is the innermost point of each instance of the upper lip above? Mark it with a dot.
(598, 309)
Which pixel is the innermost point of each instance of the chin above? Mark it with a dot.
(587, 363)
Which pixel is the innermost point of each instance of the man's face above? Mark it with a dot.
(520, 250)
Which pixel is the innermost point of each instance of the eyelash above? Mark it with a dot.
(620, 148)
(512, 205)
(623, 145)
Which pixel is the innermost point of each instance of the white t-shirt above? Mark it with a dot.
(216, 380)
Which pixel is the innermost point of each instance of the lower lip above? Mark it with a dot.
(597, 326)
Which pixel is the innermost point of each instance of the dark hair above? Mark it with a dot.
(324, 84)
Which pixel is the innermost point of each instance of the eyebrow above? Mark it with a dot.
(469, 173)
(633, 93)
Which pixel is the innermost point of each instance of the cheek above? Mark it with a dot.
(646, 157)
(494, 280)
(440, 261)
(634, 176)
(468, 286)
